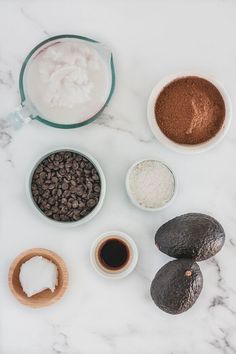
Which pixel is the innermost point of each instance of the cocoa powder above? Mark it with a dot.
(190, 110)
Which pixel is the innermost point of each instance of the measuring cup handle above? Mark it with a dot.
(20, 117)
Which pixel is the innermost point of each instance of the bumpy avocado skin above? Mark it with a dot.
(195, 236)
(172, 290)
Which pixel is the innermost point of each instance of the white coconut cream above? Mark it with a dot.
(68, 81)
(38, 274)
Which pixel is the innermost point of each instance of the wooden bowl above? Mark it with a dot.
(46, 297)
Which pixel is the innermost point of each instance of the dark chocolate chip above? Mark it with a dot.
(75, 204)
(66, 186)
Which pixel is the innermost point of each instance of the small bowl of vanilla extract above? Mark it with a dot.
(114, 254)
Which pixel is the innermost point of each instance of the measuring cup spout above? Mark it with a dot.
(21, 116)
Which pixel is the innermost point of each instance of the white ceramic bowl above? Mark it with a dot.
(130, 195)
(181, 147)
(71, 223)
(122, 273)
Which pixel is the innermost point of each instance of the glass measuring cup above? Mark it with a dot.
(27, 111)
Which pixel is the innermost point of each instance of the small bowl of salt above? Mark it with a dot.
(38, 277)
(151, 185)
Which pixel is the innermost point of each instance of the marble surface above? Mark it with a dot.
(149, 39)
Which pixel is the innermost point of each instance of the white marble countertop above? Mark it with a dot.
(149, 39)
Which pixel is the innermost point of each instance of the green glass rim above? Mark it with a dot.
(45, 121)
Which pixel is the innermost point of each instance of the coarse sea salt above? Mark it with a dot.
(38, 274)
(151, 184)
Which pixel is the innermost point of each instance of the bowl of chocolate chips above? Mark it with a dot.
(66, 186)
(188, 112)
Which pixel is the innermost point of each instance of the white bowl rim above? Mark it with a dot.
(133, 263)
(130, 195)
(41, 158)
(188, 149)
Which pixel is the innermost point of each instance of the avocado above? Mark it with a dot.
(195, 236)
(177, 286)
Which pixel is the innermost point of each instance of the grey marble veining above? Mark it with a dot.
(149, 39)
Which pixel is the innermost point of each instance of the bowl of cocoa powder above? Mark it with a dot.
(66, 186)
(188, 112)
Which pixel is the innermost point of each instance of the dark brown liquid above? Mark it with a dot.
(113, 254)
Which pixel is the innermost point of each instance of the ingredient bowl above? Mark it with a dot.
(46, 297)
(131, 195)
(93, 211)
(133, 256)
(162, 138)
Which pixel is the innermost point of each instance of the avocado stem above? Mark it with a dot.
(188, 273)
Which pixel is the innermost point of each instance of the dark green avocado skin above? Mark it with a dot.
(195, 236)
(172, 290)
